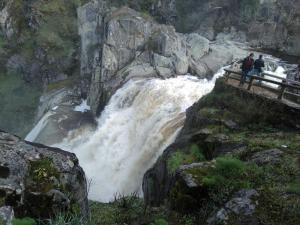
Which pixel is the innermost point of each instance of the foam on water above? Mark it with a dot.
(140, 121)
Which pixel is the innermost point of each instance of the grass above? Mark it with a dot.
(179, 158)
(24, 221)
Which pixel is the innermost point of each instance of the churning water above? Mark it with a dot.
(140, 121)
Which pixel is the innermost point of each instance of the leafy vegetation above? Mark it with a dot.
(41, 175)
(179, 158)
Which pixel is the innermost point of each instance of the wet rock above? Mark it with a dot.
(119, 44)
(272, 156)
(6, 215)
(242, 204)
(41, 180)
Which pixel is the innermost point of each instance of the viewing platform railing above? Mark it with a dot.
(285, 86)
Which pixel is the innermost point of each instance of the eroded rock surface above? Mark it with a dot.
(118, 45)
(39, 181)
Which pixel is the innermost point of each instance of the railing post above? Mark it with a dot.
(251, 83)
(280, 96)
(227, 75)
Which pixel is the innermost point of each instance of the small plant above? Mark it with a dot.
(181, 158)
(62, 219)
(160, 222)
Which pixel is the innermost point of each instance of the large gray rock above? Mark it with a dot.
(242, 204)
(271, 24)
(272, 156)
(39, 181)
(121, 44)
(6, 215)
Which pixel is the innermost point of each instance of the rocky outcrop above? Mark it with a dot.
(118, 45)
(32, 43)
(242, 204)
(39, 181)
(272, 24)
(209, 125)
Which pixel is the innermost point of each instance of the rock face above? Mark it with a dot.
(33, 45)
(214, 133)
(121, 44)
(39, 181)
(272, 24)
(242, 204)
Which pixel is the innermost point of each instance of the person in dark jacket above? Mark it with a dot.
(258, 65)
(247, 66)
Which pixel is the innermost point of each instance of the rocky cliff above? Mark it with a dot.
(39, 181)
(122, 44)
(272, 24)
(227, 154)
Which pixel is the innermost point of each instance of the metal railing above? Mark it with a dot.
(283, 85)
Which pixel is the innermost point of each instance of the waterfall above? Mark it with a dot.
(140, 121)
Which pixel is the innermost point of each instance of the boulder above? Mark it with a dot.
(132, 45)
(242, 204)
(39, 181)
(272, 156)
(6, 215)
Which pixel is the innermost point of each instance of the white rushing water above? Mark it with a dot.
(140, 121)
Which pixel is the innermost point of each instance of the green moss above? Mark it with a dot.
(225, 177)
(41, 173)
(60, 84)
(178, 158)
(24, 221)
(160, 222)
(294, 188)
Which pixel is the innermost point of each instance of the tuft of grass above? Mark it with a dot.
(179, 158)
(62, 219)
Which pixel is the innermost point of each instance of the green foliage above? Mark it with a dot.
(294, 188)
(273, 208)
(42, 172)
(63, 219)
(179, 158)
(19, 102)
(160, 222)
(127, 210)
(230, 175)
(24, 221)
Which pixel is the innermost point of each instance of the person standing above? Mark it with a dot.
(258, 65)
(246, 67)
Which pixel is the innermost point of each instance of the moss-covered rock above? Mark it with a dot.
(251, 149)
(41, 181)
